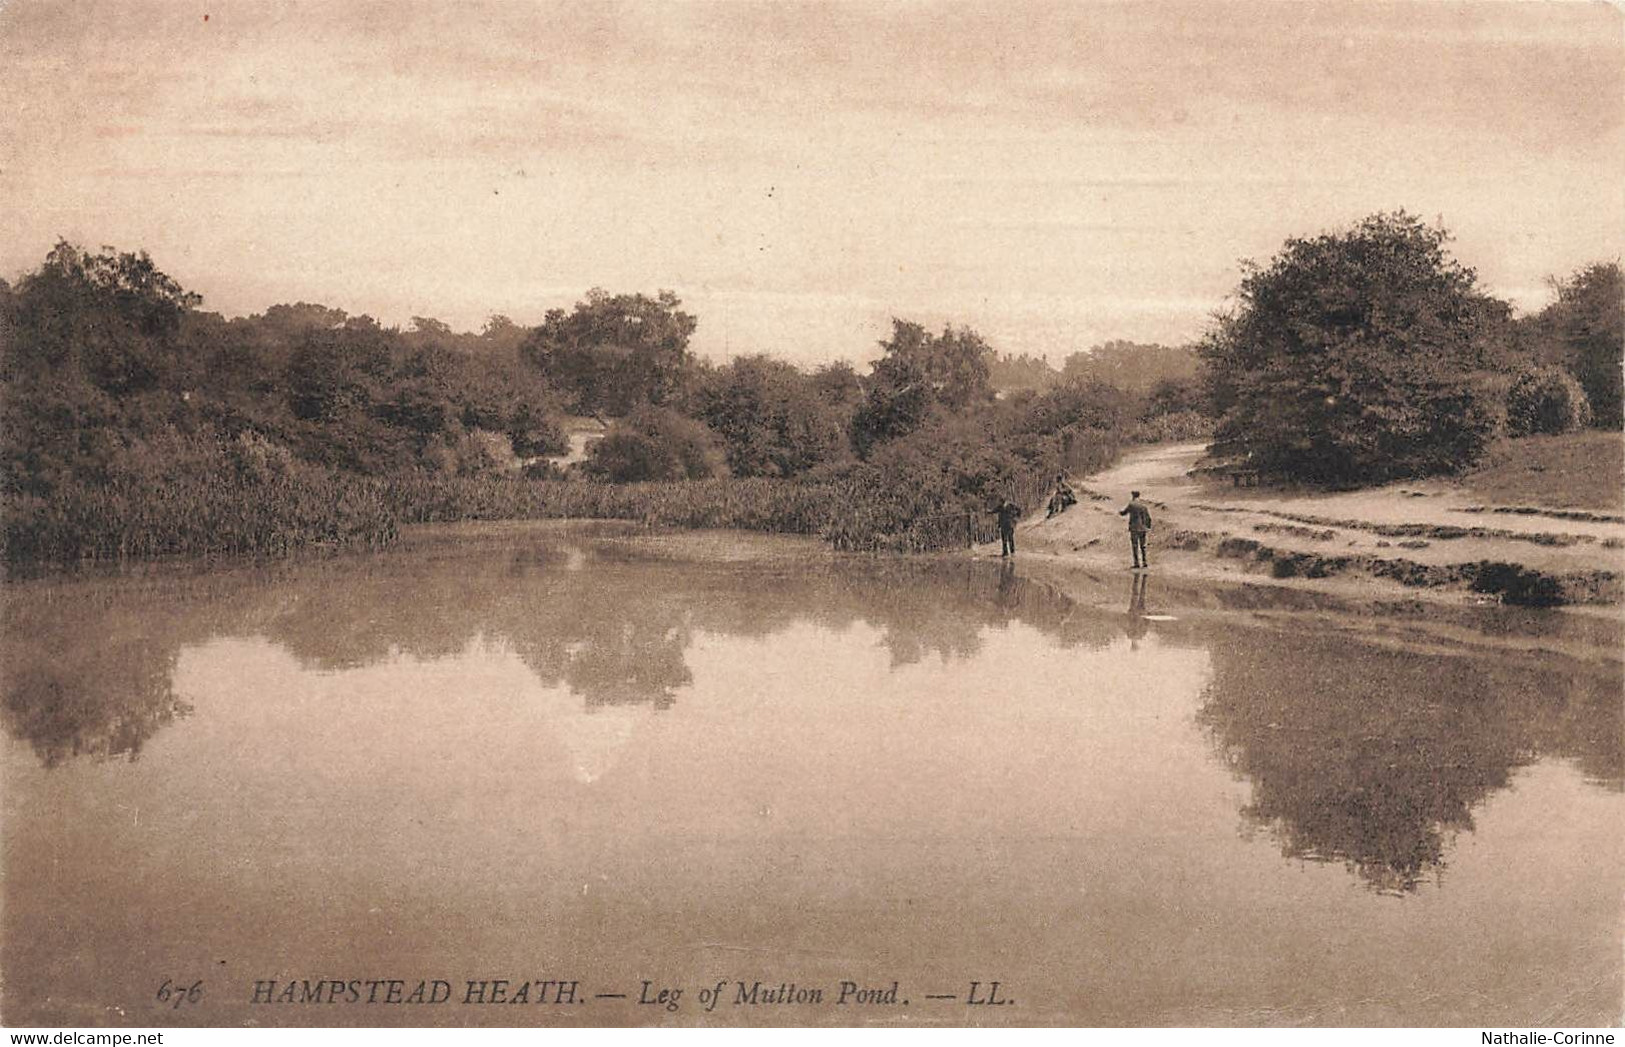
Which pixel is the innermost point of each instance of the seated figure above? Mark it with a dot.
(1063, 498)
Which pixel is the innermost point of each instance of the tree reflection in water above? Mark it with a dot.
(90, 662)
(96, 689)
(1359, 753)
(1376, 757)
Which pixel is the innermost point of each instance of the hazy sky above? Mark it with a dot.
(1054, 175)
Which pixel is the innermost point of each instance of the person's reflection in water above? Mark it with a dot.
(1009, 596)
(1137, 626)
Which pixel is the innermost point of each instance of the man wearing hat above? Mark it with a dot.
(1008, 513)
(1139, 523)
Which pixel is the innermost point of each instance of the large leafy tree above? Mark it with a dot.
(111, 318)
(772, 419)
(1584, 331)
(1355, 357)
(91, 356)
(615, 353)
(921, 373)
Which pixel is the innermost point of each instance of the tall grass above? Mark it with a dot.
(203, 496)
(929, 497)
(782, 506)
(196, 496)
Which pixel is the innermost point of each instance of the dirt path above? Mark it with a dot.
(1414, 535)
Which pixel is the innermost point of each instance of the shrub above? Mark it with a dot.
(258, 460)
(1546, 400)
(656, 443)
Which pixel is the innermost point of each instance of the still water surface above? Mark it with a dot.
(576, 753)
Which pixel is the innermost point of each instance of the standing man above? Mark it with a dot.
(1008, 513)
(1139, 523)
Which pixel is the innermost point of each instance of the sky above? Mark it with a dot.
(1052, 175)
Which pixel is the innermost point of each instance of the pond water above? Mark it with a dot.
(600, 757)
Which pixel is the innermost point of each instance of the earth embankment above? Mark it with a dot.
(1432, 536)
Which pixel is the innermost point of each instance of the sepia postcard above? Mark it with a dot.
(863, 514)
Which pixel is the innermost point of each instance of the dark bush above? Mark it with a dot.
(1546, 400)
(1355, 358)
(656, 443)
(1584, 332)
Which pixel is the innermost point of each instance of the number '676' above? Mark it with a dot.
(174, 994)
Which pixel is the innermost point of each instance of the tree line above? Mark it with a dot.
(623, 360)
(132, 416)
(134, 422)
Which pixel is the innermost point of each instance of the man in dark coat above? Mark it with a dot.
(1139, 523)
(1008, 513)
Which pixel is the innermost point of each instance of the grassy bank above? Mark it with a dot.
(1574, 471)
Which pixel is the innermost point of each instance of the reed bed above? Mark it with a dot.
(196, 496)
(202, 498)
(780, 506)
(196, 516)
